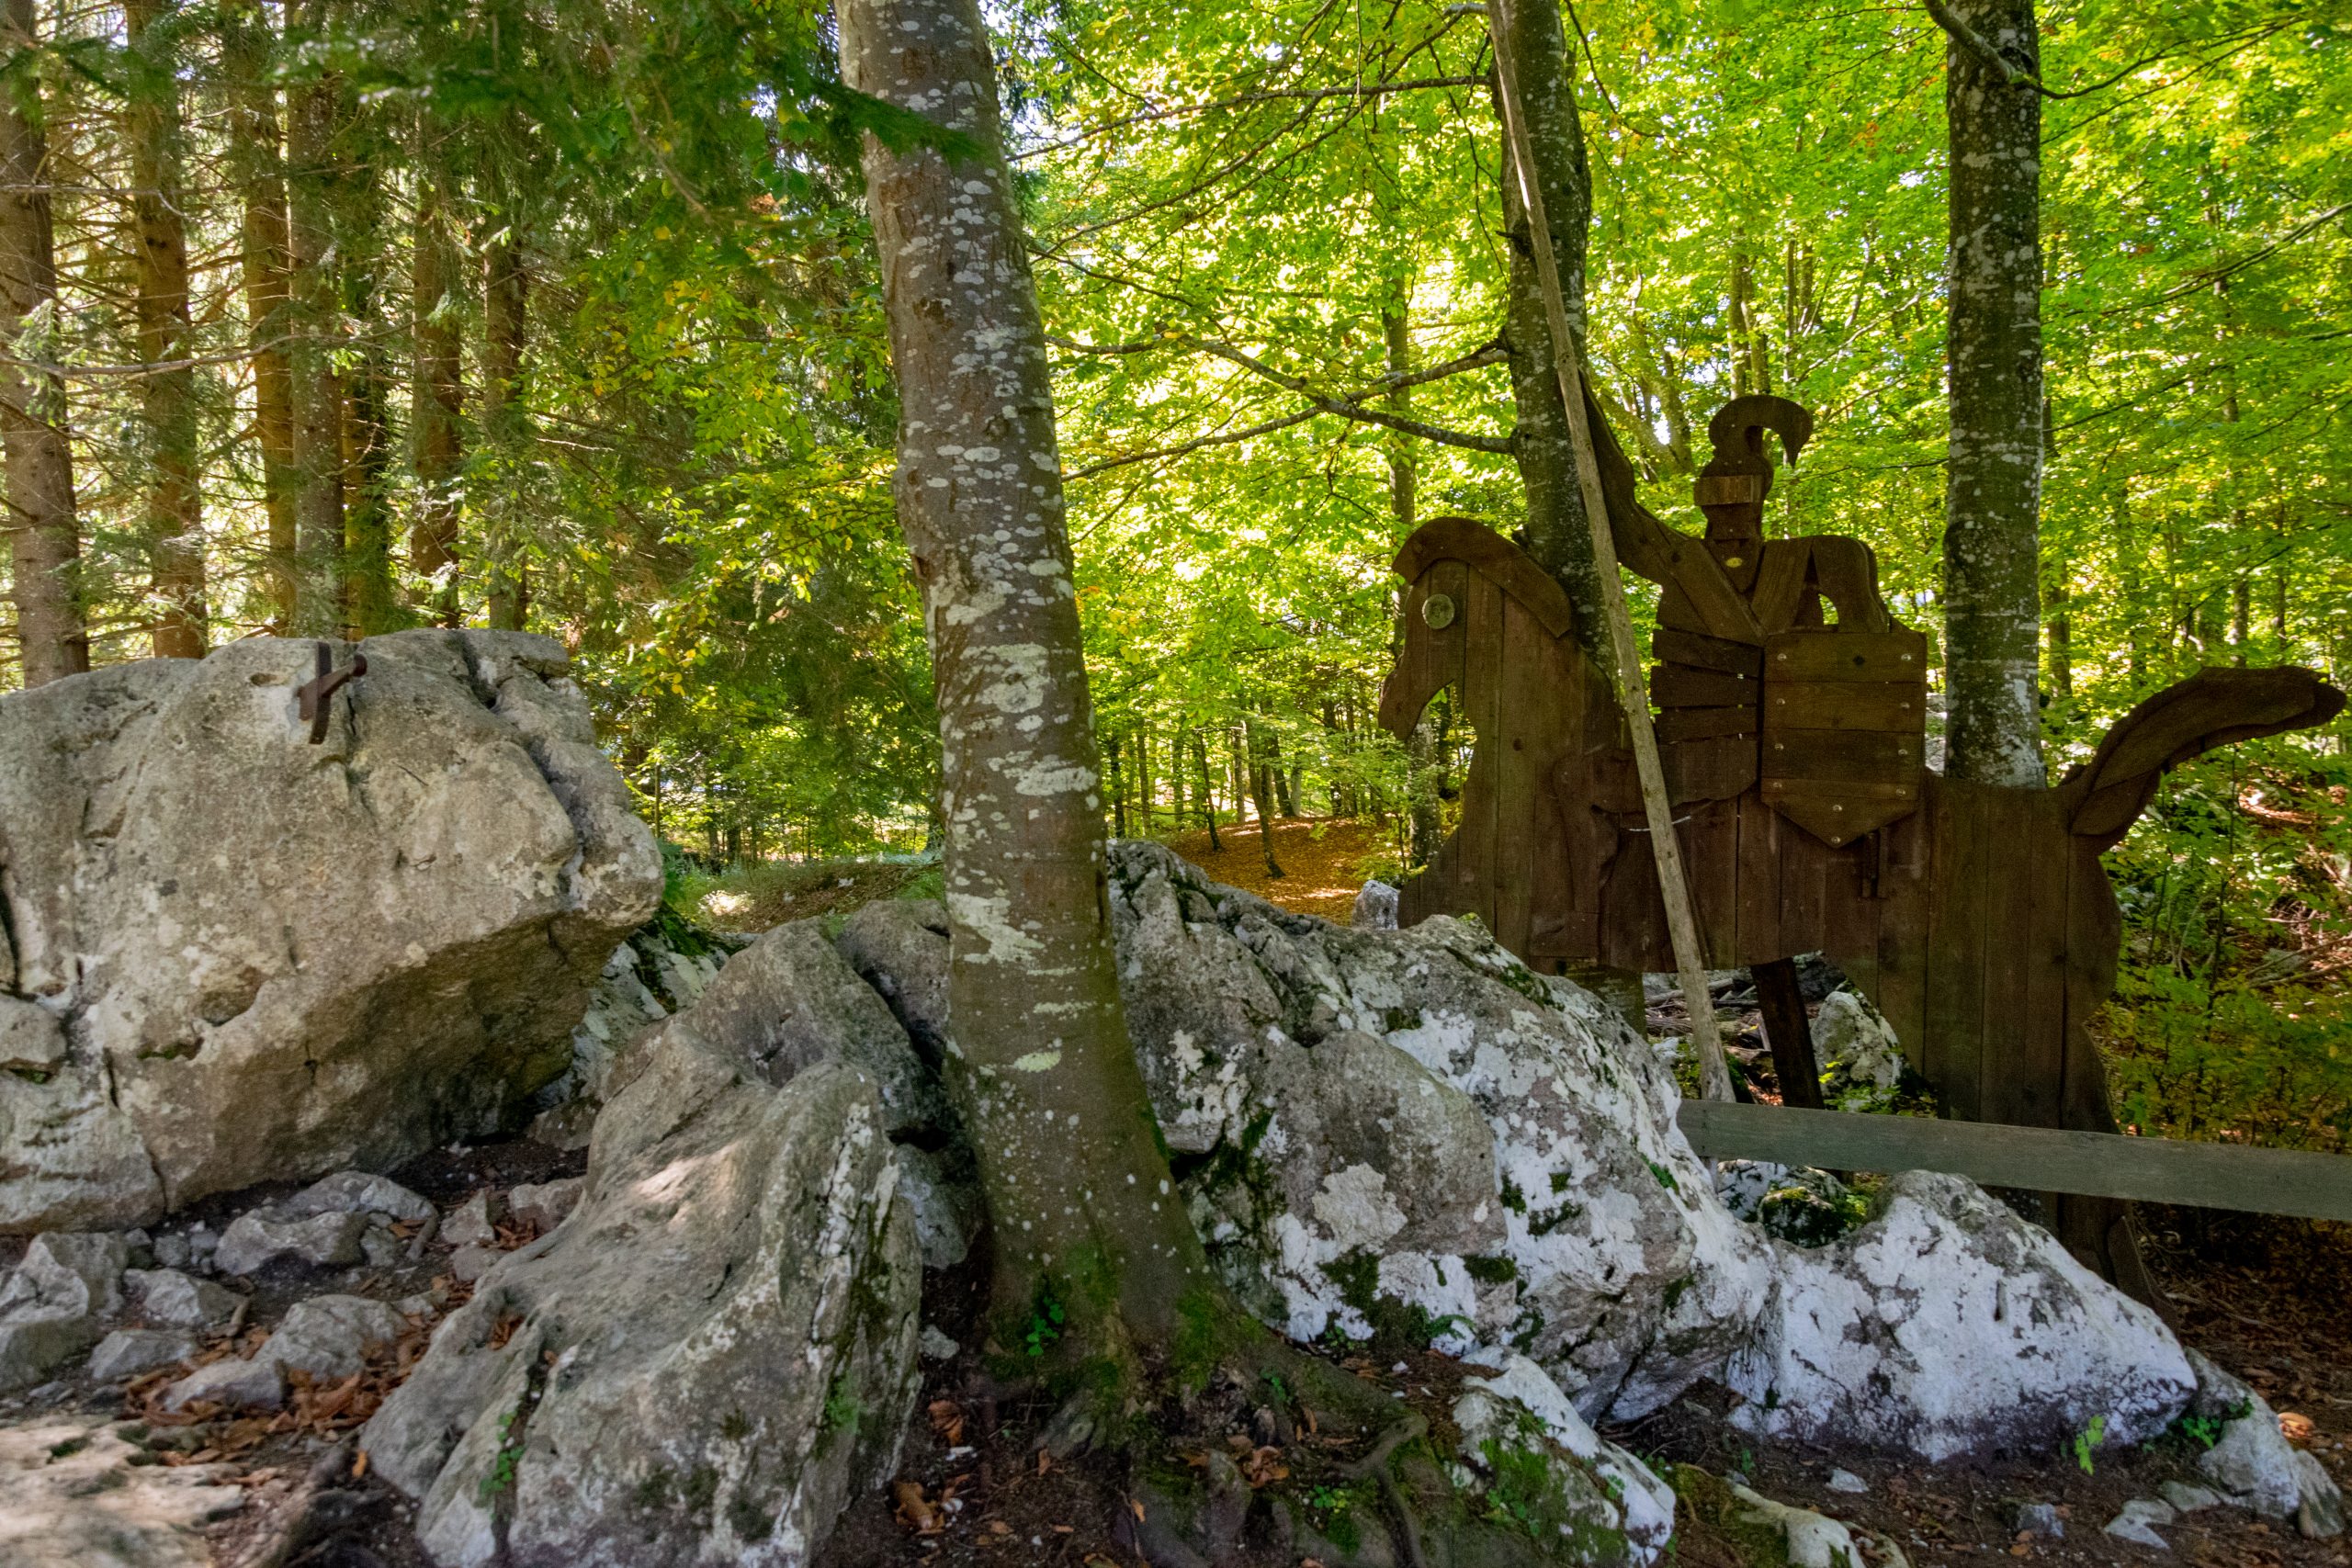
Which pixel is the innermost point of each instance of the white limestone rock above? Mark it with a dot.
(168, 1298)
(52, 1303)
(1946, 1325)
(358, 1192)
(1608, 1493)
(269, 959)
(545, 1204)
(75, 1499)
(1858, 1053)
(474, 1223)
(2252, 1461)
(329, 1336)
(2137, 1523)
(235, 1384)
(1374, 909)
(715, 1351)
(127, 1352)
(261, 1236)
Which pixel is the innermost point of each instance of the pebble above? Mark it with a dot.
(1847, 1480)
(2040, 1519)
(2187, 1499)
(2138, 1520)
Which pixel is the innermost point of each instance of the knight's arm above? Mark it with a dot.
(1668, 556)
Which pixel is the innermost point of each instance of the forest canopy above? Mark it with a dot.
(565, 317)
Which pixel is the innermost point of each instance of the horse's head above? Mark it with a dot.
(1458, 572)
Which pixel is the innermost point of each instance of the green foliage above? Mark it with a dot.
(500, 1478)
(1044, 1325)
(2084, 1441)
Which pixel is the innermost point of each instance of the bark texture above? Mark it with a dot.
(1044, 1073)
(1993, 494)
(505, 311)
(439, 402)
(1558, 535)
(45, 547)
(172, 506)
(258, 153)
(317, 389)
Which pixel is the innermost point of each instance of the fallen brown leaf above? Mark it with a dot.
(914, 1510)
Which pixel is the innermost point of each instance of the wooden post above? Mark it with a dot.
(1787, 1031)
(1632, 694)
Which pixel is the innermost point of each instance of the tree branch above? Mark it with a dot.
(1279, 95)
(1353, 408)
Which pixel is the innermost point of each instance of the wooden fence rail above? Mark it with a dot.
(2102, 1165)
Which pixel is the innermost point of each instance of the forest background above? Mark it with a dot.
(563, 314)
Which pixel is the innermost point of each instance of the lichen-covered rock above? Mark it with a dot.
(1540, 1461)
(1947, 1324)
(52, 1303)
(261, 1236)
(2252, 1461)
(898, 946)
(662, 968)
(1415, 1122)
(1860, 1058)
(790, 1000)
(714, 1352)
(271, 959)
(1802, 1206)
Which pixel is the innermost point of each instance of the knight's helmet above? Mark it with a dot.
(1841, 709)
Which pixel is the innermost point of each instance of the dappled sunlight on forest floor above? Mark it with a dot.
(1323, 860)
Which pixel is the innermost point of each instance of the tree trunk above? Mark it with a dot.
(44, 543)
(368, 594)
(1208, 790)
(505, 312)
(258, 159)
(1078, 1187)
(1255, 768)
(437, 396)
(1993, 495)
(1143, 780)
(1558, 535)
(2062, 644)
(173, 508)
(317, 389)
(1118, 785)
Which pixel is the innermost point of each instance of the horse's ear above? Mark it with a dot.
(2188, 718)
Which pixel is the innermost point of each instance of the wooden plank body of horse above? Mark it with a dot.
(1982, 924)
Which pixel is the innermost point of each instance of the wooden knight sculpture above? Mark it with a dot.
(1792, 719)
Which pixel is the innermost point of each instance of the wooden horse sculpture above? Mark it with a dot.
(1978, 919)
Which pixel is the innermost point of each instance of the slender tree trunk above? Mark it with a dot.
(1557, 535)
(1143, 780)
(505, 301)
(257, 157)
(368, 593)
(436, 396)
(311, 181)
(44, 542)
(1043, 1070)
(1208, 790)
(174, 520)
(1118, 784)
(1992, 496)
(2062, 643)
(1176, 777)
(1256, 767)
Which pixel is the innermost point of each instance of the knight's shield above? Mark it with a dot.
(1844, 728)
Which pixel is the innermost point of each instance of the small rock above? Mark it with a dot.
(413, 1306)
(379, 1246)
(172, 1251)
(545, 1204)
(237, 1384)
(31, 1347)
(203, 1245)
(166, 1298)
(565, 1126)
(2137, 1523)
(1848, 1482)
(326, 1241)
(946, 1212)
(2319, 1512)
(2040, 1518)
(1374, 909)
(127, 1352)
(474, 1222)
(470, 1262)
(358, 1192)
(329, 1336)
(78, 1271)
(2187, 1499)
(936, 1346)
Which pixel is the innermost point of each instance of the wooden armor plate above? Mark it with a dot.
(1844, 725)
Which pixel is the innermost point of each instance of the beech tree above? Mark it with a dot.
(1993, 390)
(1085, 1214)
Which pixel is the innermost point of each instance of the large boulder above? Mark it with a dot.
(232, 956)
(1412, 1131)
(703, 1362)
(1948, 1324)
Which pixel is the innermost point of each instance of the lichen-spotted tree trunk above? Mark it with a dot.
(44, 542)
(1084, 1213)
(167, 391)
(1993, 354)
(257, 160)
